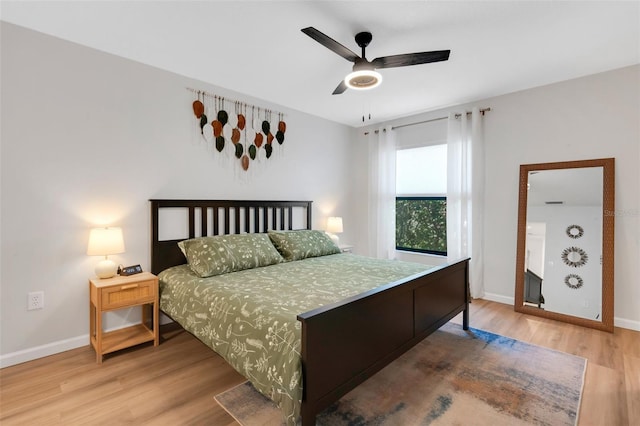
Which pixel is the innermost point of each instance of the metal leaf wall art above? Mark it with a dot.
(573, 281)
(574, 257)
(245, 136)
(575, 231)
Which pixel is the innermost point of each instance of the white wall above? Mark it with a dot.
(596, 116)
(87, 139)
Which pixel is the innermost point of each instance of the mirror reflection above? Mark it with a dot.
(565, 250)
(563, 272)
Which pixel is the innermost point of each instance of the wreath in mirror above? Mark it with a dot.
(574, 256)
(573, 281)
(575, 231)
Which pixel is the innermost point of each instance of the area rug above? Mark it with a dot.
(453, 377)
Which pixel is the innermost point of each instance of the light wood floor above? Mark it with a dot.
(174, 383)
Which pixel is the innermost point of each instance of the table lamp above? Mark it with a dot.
(334, 226)
(103, 242)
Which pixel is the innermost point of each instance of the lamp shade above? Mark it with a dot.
(105, 241)
(334, 225)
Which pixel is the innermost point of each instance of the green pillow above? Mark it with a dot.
(251, 250)
(208, 256)
(220, 254)
(297, 245)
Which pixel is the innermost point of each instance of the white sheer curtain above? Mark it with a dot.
(465, 194)
(382, 193)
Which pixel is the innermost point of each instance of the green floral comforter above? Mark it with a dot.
(249, 317)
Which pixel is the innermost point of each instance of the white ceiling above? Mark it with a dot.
(256, 47)
(572, 187)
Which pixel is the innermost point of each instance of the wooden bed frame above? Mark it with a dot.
(344, 343)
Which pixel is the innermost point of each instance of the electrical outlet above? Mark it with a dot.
(35, 300)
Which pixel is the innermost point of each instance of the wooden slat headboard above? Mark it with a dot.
(219, 217)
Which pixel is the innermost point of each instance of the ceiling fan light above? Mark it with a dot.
(363, 79)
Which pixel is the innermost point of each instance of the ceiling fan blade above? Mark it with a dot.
(330, 44)
(340, 89)
(411, 59)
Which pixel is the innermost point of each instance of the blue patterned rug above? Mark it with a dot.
(452, 377)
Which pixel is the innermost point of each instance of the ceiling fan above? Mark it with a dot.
(364, 74)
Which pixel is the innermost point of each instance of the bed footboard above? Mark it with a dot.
(344, 344)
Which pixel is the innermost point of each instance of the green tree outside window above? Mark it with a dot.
(421, 224)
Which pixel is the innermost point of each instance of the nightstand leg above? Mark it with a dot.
(145, 316)
(92, 324)
(151, 319)
(98, 316)
(93, 333)
(156, 324)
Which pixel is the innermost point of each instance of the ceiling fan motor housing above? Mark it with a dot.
(362, 81)
(363, 76)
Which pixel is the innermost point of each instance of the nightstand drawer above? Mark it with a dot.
(128, 294)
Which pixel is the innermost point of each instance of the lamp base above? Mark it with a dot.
(334, 238)
(106, 268)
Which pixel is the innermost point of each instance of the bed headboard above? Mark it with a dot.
(219, 217)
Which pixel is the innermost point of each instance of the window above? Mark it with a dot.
(421, 202)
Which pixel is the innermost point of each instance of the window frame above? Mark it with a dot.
(420, 198)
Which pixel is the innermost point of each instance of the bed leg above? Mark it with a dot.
(465, 318)
(307, 416)
(308, 421)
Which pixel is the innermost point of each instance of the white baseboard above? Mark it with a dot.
(498, 298)
(625, 323)
(42, 351)
(53, 348)
(618, 322)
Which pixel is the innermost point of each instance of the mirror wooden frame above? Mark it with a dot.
(608, 223)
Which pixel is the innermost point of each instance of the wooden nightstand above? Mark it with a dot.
(118, 293)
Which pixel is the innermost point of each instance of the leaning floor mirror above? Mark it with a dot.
(565, 255)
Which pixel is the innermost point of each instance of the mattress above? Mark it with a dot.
(249, 317)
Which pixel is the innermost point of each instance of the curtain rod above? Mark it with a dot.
(482, 111)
